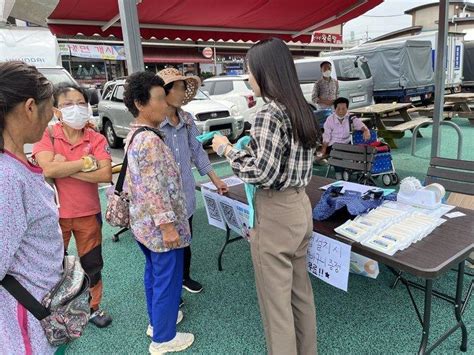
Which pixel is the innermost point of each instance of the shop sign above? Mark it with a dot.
(230, 58)
(331, 38)
(94, 51)
(207, 52)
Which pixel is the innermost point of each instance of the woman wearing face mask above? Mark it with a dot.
(278, 160)
(338, 128)
(78, 159)
(326, 89)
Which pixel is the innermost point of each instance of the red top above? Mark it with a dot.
(76, 198)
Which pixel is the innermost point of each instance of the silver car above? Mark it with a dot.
(209, 115)
(352, 72)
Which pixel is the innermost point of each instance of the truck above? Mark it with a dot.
(468, 67)
(454, 57)
(39, 47)
(402, 69)
(36, 46)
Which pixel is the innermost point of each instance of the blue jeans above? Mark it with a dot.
(163, 282)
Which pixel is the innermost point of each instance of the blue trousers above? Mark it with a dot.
(163, 282)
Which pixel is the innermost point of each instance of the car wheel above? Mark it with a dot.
(112, 139)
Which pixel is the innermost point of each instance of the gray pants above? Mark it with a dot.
(279, 242)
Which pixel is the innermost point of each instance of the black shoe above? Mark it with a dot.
(100, 319)
(181, 302)
(192, 286)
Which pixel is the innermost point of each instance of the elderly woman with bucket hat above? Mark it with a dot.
(180, 133)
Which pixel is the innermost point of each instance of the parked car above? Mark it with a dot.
(352, 72)
(209, 115)
(237, 90)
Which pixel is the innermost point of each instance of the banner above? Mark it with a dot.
(331, 38)
(93, 51)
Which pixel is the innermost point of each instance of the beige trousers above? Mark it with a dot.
(279, 242)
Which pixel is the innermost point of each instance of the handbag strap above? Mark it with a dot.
(24, 297)
(123, 171)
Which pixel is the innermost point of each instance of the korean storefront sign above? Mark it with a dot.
(93, 51)
(331, 38)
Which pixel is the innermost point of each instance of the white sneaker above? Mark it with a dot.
(180, 342)
(149, 331)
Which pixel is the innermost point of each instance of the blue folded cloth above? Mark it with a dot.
(355, 202)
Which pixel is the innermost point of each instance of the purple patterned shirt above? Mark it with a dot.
(31, 250)
(156, 195)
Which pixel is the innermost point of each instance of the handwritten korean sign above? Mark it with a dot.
(329, 260)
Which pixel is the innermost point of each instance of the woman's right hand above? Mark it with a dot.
(170, 236)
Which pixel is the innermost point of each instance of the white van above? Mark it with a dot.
(352, 72)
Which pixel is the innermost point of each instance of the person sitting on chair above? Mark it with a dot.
(338, 128)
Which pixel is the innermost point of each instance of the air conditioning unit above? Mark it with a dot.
(464, 15)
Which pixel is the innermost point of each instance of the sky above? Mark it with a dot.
(387, 17)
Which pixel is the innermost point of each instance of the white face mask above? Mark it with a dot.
(327, 74)
(75, 116)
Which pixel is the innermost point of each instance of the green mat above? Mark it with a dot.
(371, 318)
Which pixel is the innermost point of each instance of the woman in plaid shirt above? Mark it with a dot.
(278, 160)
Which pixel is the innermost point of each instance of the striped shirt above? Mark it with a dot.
(272, 159)
(326, 89)
(186, 149)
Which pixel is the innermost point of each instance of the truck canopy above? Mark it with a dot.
(35, 46)
(397, 64)
(468, 69)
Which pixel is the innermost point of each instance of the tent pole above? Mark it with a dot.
(131, 35)
(440, 75)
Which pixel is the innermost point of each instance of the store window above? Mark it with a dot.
(91, 73)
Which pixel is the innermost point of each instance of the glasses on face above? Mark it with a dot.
(70, 104)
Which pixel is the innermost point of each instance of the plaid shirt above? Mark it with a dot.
(272, 158)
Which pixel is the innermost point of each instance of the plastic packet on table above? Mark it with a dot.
(403, 237)
(372, 221)
(384, 243)
(353, 230)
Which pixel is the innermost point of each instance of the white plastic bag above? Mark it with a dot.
(364, 266)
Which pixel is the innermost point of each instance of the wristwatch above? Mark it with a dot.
(221, 149)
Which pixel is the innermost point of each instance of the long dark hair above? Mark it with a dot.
(18, 83)
(272, 66)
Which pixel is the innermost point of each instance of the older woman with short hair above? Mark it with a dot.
(158, 217)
